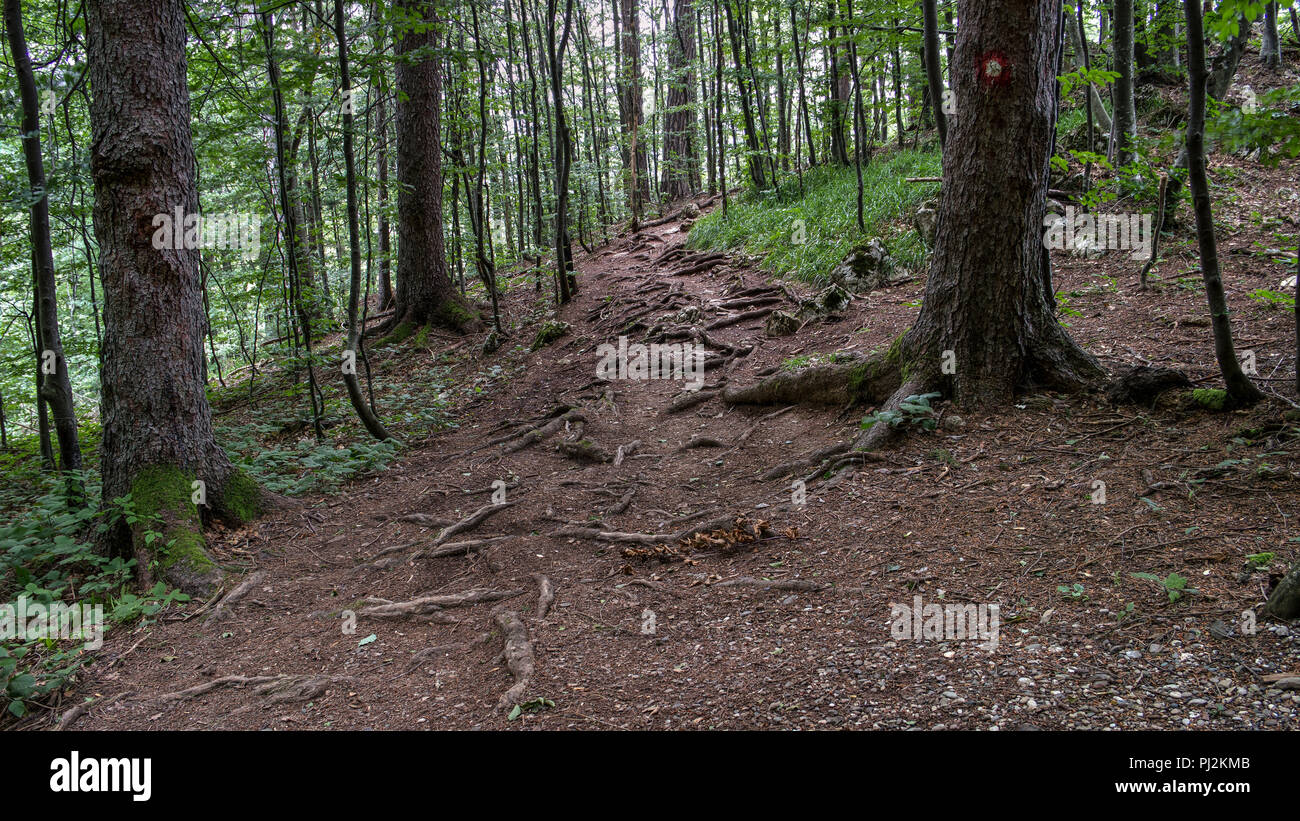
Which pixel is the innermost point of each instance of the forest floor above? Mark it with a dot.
(790, 629)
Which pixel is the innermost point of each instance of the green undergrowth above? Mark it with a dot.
(824, 216)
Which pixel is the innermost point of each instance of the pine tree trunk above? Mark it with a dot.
(157, 424)
(681, 164)
(425, 295)
(986, 300)
(630, 106)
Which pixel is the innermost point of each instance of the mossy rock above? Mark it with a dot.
(866, 267)
(550, 331)
(780, 323)
(1214, 399)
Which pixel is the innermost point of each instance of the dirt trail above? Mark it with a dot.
(788, 629)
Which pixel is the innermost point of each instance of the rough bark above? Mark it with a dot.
(681, 164)
(986, 298)
(156, 420)
(425, 295)
(630, 107)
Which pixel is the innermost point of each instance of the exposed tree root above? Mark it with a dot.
(78, 710)
(769, 584)
(209, 686)
(817, 457)
(458, 548)
(625, 451)
(690, 399)
(876, 435)
(699, 441)
(596, 534)
(623, 503)
(518, 654)
(234, 596)
(538, 434)
(735, 319)
(468, 523)
(545, 595)
(701, 266)
(276, 689)
(428, 653)
(422, 519)
(744, 437)
(852, 380)
(585, 450)
(426, 605)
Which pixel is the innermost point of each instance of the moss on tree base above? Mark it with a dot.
(167, 534)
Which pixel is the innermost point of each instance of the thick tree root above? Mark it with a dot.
(624, 451)
(700, 441)
(545, 595)
(518, 654)
(585, 450)
(422, 519)
(459, 548)
(234, 596)
(817, 457)
(623, 503)
(426, 605)
(468, 523)
(736, 319)
(596, 534)
(537, 434)
(850, 381)
(690, 399)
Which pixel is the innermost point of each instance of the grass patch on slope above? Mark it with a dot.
(765, 225)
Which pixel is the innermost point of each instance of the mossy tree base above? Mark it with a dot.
(166, 531)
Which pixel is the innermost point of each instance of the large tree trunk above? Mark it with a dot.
(386, 297)
(986, 299)
(987, 327)
(681, 177)
(51, 366)
(157, 424)
(566, 279)
(425, 295)
(630, 110)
